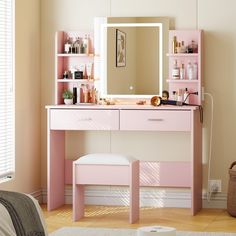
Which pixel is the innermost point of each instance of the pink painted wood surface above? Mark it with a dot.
(78, 198)
(102, 174)
(67, 119)
(187, 36)
(196, 155)
(155, 120)
(154, 174)
(68, 171)
(134, 192)
(165, 174)
(56, 156)
(105, 175)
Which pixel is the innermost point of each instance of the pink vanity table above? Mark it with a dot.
(126, 117)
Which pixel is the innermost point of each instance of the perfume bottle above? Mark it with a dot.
(174, 44)
(86, 44)
(175, 71)
(67, 46)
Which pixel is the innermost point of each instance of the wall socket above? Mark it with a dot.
(215, 185)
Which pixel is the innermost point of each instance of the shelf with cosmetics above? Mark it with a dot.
(185, 65)
(74, 66)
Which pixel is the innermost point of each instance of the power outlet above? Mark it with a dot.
(215, 185)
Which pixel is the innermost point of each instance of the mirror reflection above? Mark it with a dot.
(140, 70)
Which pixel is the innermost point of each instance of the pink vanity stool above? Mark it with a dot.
(105, 169)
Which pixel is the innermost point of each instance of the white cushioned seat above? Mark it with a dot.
(105, 159)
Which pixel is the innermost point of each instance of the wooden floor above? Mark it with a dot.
(211, 220)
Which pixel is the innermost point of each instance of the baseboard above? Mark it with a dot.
(148, 197)
(38, 195)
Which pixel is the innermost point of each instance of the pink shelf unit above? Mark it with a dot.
(65, 61)
(184, 58)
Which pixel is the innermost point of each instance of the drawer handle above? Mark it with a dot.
(155, 119)
(85, 119)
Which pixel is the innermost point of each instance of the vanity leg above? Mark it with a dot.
(196, 155)
(134, 192)
(55, 169)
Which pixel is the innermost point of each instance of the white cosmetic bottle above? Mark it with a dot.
(190, 71)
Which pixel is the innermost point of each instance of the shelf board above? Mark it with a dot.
(182, 54)
(182, 81)
(74, 55)
(75, 81)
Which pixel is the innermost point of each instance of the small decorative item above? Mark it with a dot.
(120, 48)
(68, 97)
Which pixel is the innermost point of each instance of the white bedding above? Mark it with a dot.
(6, 225)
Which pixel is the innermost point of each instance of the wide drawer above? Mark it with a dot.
(68, 119)
(155, 120)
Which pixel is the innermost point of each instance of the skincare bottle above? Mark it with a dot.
(67, 46)
(190, 71)
(178, 47)
(86, 44)
(182, 71)
(186, 96)
(82, 68)
(174, 45)
(74, 95)
(180, 95)
(86, 94)
(174, 96)
(195, 70)
(183, 48)
(77, 45)
(82, 93)
(175, 71)
(89, 67)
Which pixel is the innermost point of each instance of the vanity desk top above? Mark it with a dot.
(123, 107)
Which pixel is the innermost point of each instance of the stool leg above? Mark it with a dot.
(78, 198)
(134, 192)
(78, 202)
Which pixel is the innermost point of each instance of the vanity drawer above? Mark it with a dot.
(155, 120)
(68, 119)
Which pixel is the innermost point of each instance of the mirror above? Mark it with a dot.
(132, 55)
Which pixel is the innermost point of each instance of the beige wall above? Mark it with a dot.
(219, 77)
(28, 150)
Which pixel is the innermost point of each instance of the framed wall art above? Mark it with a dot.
(120, 48)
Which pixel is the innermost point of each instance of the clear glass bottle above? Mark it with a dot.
(186, 96)
(195, 74)
(182, 71)
(190, 71)
(67, 46)
(175, 71)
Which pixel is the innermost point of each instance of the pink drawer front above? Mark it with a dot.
(155, 120)
(68, 119)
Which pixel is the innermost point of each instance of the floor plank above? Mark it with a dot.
(211, 220)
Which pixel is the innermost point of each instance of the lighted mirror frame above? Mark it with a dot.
(103, 58)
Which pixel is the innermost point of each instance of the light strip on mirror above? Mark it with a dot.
(103, 71)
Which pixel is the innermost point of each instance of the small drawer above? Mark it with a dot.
(155, 120)
(68, 119)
